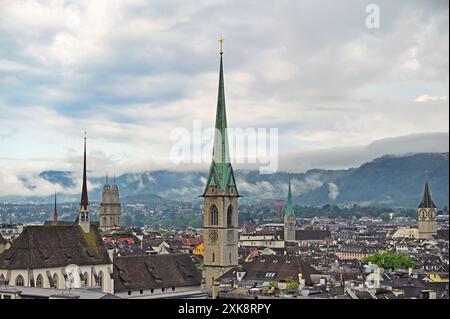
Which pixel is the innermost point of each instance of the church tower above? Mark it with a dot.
(289, 217)
(220, 228)
(426, 214)
(110, 207)
(83, 214)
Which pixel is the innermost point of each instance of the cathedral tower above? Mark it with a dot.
(426, 214)
(289, 217)
(83, 214)
(110, 207)
(220, 228)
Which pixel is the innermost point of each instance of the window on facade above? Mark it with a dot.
(19, 281)
(214, 215)
(229, 258)
(230, 216)
(173, 288)
(85, 279)
(213, 257)
(2, 278)
(100, 279)
(55, 280)
(39, 281)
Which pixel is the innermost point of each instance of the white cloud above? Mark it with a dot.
(427, 98)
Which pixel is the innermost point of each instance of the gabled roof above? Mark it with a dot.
(274, 268)
(155, 271)
(427, 202)
(55, 246)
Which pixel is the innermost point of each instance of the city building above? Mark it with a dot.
(41, 255)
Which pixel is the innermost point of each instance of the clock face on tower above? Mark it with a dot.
(213, 236)
(432, 214)
(422, 214)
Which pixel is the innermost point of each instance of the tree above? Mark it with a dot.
(392, 260)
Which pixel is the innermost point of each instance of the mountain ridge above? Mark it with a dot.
(390, 180)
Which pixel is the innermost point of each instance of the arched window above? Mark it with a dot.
(85, 280)
(39, 281)
(230, 216)
(214, 215)
(19, 281)
(2, 278)
(229, 258)
(100, 279)
(213, 257)
(55, 280)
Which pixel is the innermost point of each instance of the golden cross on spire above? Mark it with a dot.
(222, 40)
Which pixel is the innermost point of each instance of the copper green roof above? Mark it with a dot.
(290, 203)
(221, 172)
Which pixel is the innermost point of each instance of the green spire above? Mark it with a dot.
(221, 152)
(290, 203)
(221, 172)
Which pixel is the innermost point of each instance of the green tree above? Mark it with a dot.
(392, 260)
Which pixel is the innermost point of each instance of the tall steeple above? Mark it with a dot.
(83, 215)
(221, 173)
(427, 202)
(55, 213)
(289, 217)
(84, 193)
(290, 203)
(220, 226)
(427, 215)
(221, 152)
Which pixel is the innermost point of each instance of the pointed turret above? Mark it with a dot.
(289, 217)
(221, 172)
(83, 215)
(290, 203)
(84, 193)
(427, 202)
(55, 213)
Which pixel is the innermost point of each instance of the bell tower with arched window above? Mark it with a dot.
(220, 228)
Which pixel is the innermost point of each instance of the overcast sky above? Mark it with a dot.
(129, 72)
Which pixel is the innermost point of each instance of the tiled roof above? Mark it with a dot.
(274, 268)
(156, 271)
(55, 246)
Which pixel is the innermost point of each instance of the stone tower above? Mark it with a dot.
(289, 217)
(426, 214)
(220, 228)
(110, 207)
(84, 218)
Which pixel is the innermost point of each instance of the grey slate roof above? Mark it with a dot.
(55, 246)
(282, 267)
(427, 202)
(155, 271)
